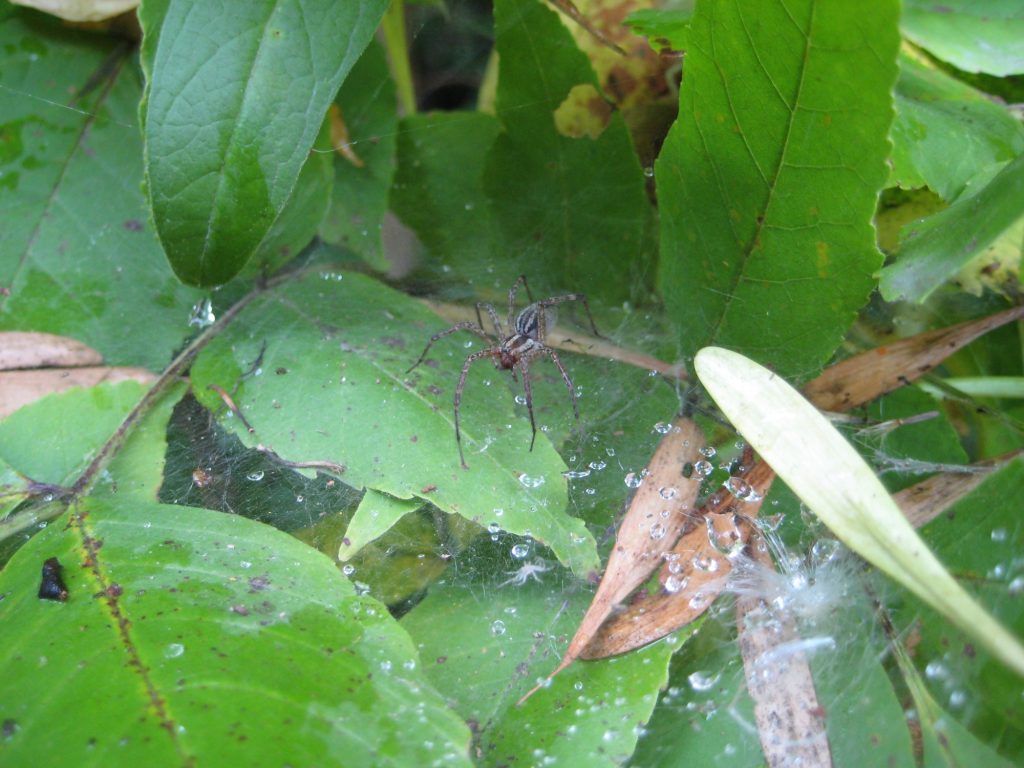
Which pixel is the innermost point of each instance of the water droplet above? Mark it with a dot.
(998, 534)
(675, 583)
(597, 465)
(742, 490)
(699, 601)
(667, 492)
(957, 699)
(385, 665)
(174, 650)
(498, 511)
(202, 314)
(519, 551)
(576, 474)
(705, 563)
(703, 468)
(493, 528)
(1016, 586)
(936, 670)
(348, 569)
(662, 428)
(409, 664)
(632, 481)
(658, 532)
(255, 476)
(708, 452)
(498, 628)
(649, 171)
(531, 482)
(609, 452)
(521, 399)
(702, 681)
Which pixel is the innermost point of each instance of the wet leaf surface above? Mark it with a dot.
(772, 173)
(202, 637)
(332, 352)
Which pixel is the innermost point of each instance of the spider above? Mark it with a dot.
(514, 350)
(526, 572)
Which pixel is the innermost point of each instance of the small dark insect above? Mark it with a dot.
(515, 350)
(52, 586)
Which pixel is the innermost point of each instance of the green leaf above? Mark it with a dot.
(438, 189)
(663, 27)
(367, 106)
(14, 488)
(813, 459)
(233, 104)
(936, 248)
(333, 351)
(199, 637)
(946, 132)
(570, 212)
(376, 514)
(975, 37)
(483, 655)
(77, 255)
(980, 537)
(301, 216)
(53, 439)
(769, 179)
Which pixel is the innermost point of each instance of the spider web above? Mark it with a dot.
(623, 409)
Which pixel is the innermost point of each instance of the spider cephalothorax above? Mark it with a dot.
(515, 350)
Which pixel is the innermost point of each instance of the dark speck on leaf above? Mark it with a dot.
(442, 659)
(259, 583)
(52, 586)
(134, 225)
(434, 390)
(241, 610)
(281, 371)
(9, 727)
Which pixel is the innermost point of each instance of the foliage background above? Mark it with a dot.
(282, 561)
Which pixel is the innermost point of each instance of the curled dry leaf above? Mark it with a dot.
(790, 721)
(862, 378)
(22, 349)
(694, 572)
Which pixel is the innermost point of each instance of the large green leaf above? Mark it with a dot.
(768, 181)
(199, 637)
(366, 104)
(976, 37)
(235, 95)
(438, 189)
(483, 655)
(333, 350)
(945, 132)
(571, 212)
(77, 254)
(53, 439)
(936, 248)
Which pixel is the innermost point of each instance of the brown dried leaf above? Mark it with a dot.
(694, 572)
(661, 510)
(569, 9)
(19, 349)
(18, 388)
(340, 139)
(924, 501)
(869, 375)
(790, 721)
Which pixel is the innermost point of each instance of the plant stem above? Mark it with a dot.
(393, 27)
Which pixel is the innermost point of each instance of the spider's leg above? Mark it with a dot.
(465, 326)
(458, 395)
(521, 280)
(524, 366)
(580, 297)
(565, 377)
(493, 314)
